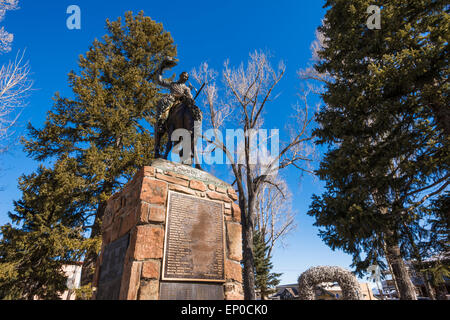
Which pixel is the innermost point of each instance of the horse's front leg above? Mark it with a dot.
(194, 155)
(182, 151)
(169, 145)
(189, 149)
(195, 136)
(157, 144)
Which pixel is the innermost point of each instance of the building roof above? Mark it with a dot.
(294, 285)
(286, 291)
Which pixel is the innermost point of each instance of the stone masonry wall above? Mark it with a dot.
(140, 210)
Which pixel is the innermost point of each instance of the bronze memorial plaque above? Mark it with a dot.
(111, 269)
(194, 249)
(191, 291)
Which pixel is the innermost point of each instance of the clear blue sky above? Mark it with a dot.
(203, 30)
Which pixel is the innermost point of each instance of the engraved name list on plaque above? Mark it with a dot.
(194, 249)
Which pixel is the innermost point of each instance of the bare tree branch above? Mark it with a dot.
(275, 217)
(14, 87)
(246, 92)
(6, 38)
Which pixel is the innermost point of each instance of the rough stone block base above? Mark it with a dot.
(130, 264)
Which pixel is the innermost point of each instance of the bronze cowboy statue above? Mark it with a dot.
(176, 110)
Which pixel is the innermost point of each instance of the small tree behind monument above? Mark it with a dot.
(265, 280)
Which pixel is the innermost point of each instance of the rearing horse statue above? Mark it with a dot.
(176, 110)
(184, 115)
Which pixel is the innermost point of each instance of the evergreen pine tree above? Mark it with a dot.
(439, 212)
(436, 245)
(105, 128)
(386, 123)
(265, 280)
(48, 235)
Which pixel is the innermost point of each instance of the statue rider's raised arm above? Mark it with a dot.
(161, 81)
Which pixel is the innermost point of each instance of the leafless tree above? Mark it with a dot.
(14, 86)
(5, 37)
(240, 104)
(14, 80)
(275, 217)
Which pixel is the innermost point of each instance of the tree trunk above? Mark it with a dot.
(428, 287)
(247, 247)
(88, 269)
(406, 290)
(390, 269)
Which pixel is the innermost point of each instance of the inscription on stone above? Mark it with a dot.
(188, 171)
(194, 249)
(111, 269)
(191, 291)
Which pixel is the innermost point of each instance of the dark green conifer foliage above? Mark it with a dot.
(435, 246)
(439, 221)
(50, 234)
(385, 121)
(104, 131)
(265, 280)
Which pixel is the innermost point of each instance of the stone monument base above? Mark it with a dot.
(172, 233)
